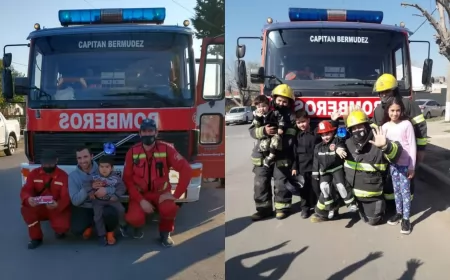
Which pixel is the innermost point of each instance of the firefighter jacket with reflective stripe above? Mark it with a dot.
(149, 171)
(39, 183)
(284, 158)
(326, 161)
(304, 144)
(415, 116)
(365, 169)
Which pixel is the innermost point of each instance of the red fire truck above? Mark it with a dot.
(332, 58)
(93, 80)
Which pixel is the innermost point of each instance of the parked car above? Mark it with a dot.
(430, 108)
(9, 135)
(238, 115)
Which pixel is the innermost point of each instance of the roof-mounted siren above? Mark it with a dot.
(114, 16)
(306, 14)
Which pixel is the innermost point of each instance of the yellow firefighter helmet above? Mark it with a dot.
(385, 82)
(356, 117)
(283, 90)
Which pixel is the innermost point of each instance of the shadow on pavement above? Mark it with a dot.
(347, 271)
(237, 225)
(170, 261)
(437, 158)
(411, 268)
(428, 199)
(279, 264)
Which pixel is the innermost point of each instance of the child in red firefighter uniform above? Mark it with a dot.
(47, 180)
(328, 170)
(146, 176)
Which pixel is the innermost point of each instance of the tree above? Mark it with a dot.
(442, 36)
(3, 103)
(246, 94)
(209, 21)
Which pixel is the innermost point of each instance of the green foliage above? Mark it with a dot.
(209, 21)
(15, 73)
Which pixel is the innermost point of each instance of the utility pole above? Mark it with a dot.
(443, 27)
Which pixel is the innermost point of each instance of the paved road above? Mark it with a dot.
(199, 253)
(296, 249)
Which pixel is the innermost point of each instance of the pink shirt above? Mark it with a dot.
(403, 132)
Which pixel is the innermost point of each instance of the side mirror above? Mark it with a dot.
(241, 74)
(257, 75)
(240, 51)
(7, 84)
(426, 71)
(21, 86)
(7, 59)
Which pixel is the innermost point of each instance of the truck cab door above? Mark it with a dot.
(210, 115)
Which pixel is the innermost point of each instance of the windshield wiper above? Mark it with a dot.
(133, 93)
(158, 97)
(344, 93)
(365, 84)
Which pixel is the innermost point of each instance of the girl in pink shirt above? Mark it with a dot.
(397, 127)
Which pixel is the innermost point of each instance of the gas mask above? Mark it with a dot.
(148, 139)
(49, 169)
(386, 99)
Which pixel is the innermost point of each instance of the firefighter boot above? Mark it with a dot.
(262, 214)
(282, 214)
(166, 240)
(33, 244)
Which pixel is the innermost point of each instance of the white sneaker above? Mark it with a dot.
(353, 208)
(331, 214)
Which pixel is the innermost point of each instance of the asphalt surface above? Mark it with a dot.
(198, 254)
(344, 249)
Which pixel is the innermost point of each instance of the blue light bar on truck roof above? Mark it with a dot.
(306, 14)
(104, 16)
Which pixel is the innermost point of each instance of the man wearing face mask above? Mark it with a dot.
(51, 182)
(146, 176)
(387, 87)
(367, 154)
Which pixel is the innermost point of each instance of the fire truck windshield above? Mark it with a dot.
(133, 70)
(336, 59)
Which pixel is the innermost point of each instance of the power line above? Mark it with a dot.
(19, 64)
(423, 23)
(89, 3)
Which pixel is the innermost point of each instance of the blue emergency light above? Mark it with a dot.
(341, 132)
(109, 148)
(104, 16)
(306, 14)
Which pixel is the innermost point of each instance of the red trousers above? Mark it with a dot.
(59, 221)
(167, 212)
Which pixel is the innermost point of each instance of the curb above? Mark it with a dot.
(432, 172)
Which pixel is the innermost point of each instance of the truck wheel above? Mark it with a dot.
(12, 146)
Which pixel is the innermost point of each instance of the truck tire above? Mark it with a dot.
(12, 145)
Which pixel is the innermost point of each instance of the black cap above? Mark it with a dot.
(148, 124)
(49, 157)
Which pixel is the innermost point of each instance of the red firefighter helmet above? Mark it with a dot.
(324, 127)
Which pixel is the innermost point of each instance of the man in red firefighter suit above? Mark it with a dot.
(47, 180)
(146, 175)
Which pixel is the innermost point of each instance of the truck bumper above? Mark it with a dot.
(192, 194)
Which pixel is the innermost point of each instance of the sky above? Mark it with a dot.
(24, 14)
(247, 18)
